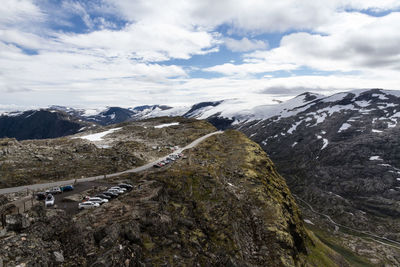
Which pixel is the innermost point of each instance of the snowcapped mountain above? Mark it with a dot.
(342, 149)
(112, 115)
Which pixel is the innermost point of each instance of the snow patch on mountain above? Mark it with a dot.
(166, 125)
(375, 158)
(344, 127)
(98, 136)
(324, 140)
(294, 127)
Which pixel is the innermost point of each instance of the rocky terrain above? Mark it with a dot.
(94, 152)
(338, 153)
(224, 205)
(341, 154)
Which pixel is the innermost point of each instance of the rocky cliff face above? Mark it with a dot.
(224, 205)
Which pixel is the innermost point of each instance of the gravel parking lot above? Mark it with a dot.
(71, 207)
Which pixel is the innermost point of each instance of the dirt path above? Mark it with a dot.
(98, 177)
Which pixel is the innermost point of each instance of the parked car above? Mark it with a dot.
(110, 194)
(67, 188)
(115, 191)
(160, 164)
(49, 201)
(97, 200)
(88, 205)
(40, 195)
(103, 196)
(156, 165)
(119, 188)
(127, 186)
(54, 191)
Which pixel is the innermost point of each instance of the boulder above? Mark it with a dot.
(58, 256)
(17, 222)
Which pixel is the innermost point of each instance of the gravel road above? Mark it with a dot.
(37, 187)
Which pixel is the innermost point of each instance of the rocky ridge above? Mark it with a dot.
(224, 205)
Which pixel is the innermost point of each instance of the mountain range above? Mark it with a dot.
(340, 153)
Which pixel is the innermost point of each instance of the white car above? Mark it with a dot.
(97, 200)
(49, 201)
(88, 205)
(115, 191)
(119, 189)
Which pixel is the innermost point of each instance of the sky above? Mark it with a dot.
(95, 53)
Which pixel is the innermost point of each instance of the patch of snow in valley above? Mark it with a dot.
(308, 221)
(385, 165)
(376, 131)
(375, 158)
(98, 136)
(326, 142)
(166, 125)
(344, 127)
(295, 143)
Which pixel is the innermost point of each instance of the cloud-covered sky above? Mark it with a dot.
(91, 53)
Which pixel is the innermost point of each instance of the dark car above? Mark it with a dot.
(110, 194)
(127, 186)
(67, 188)
(41, 196)
(103, 196)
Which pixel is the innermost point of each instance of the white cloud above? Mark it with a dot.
(244, 45)
(19, 11)
(149, 42)
(371, 43)
(115, 64)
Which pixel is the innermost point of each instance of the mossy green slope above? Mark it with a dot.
(232, 208)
